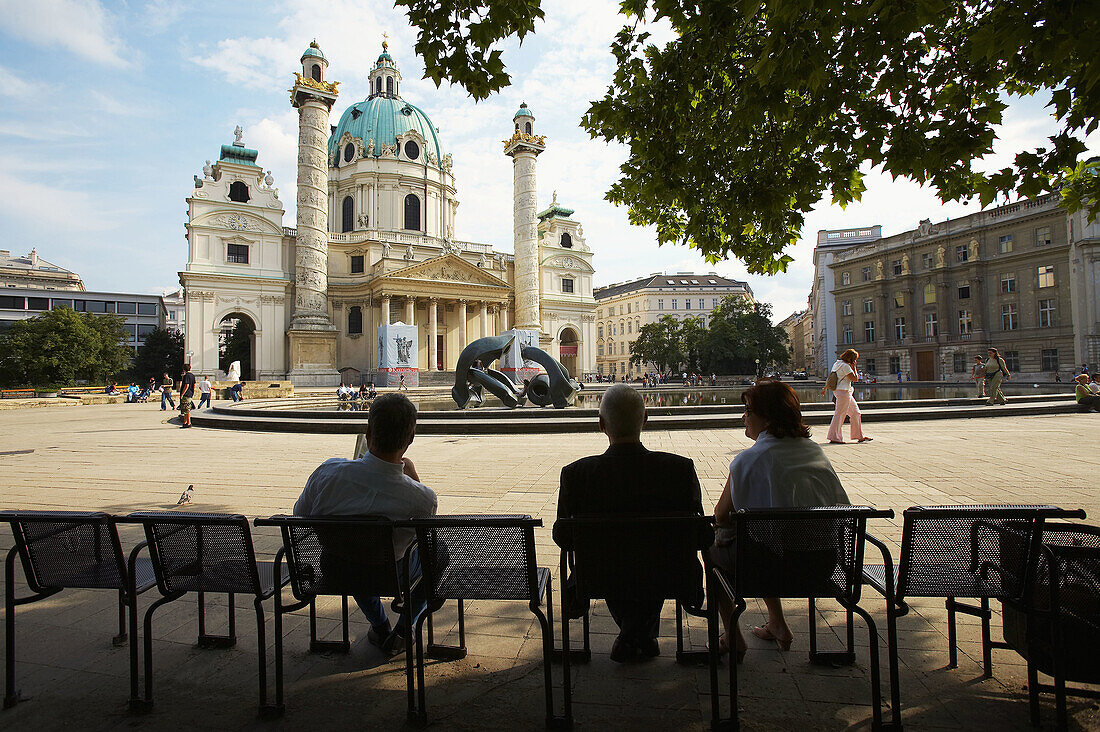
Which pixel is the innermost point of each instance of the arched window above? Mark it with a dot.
(349, 152)
(567, 241)
(378, 86)
(238, 192)
(389, 86)
(315, 72)
(347, 219)
(527, 127)
(355, 321)
(412, 212)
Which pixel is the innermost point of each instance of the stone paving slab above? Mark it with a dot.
(122, 458)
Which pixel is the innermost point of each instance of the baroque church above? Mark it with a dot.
(374, 246)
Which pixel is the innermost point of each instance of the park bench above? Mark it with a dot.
(957, 552)
(653, 556)
(17, 393)
(805, 553)
(481, 558)
(1055, 624)
(71, 550)
(205, 553)
(338, 556)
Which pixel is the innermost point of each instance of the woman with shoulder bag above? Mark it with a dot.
(996, 371)
(845, 372)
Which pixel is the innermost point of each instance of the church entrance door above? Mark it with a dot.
(569, 350)
(237, 342)
(440, 358)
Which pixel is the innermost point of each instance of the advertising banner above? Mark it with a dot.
(397, 354)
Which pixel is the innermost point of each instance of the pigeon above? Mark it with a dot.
(185, 497)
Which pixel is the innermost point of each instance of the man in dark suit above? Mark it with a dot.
(628, 479)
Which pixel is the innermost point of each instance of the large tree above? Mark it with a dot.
(161, 353)
(759, 108)
(60, 346)
(741, 332)
(660, 343)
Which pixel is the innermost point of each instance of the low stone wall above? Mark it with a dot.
(255, 389)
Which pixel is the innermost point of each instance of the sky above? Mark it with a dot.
(111, 108)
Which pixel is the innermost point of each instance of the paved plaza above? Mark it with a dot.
(122, 458)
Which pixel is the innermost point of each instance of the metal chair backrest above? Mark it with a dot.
(801, 552)
(655, 556)
(200, 552)
(68, 549)
(980, 551)
(478, 557)
(338, 555)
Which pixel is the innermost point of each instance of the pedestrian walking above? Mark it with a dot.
(187, 393)
(401, 383)
(996, 371)
(846, 373)
(204, 392)
(166, 393)
(977, 375)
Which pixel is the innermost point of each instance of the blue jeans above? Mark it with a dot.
(376, 613)
(204, 399)
(166, 396)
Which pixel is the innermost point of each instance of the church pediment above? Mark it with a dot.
(448, 268)
(236, 221)
(566, 261)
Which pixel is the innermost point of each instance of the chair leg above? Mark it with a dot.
(135, 693)
(987, 641)
(441, 652)
(566, 658)
(216, 641)
(344, 622)
(320, 646)
(892, 660)
(1033, 693)
(876, 690)
(546, 623)
(952, 653)
(278, 647)
(266, 711)
(739, 606)
(145, 705)
(11, 694)
(1061, 718)
(120, 639)
(847, 657)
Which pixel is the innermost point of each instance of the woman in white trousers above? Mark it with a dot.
(845, 368)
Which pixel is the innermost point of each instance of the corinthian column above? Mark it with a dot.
(311, 246)
(523, 149)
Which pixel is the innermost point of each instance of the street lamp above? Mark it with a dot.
(758, 368)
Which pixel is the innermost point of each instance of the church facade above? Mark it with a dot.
(374, 245)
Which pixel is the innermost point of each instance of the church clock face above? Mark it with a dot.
(237, 222)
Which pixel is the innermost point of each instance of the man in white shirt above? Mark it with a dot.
(382, 483)
(204, 392)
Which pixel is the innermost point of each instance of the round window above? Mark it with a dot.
(412, 150)
(349, 152)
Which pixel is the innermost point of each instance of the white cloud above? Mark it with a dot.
(32, 131)
(51, 210)
(83, 27)
(13, 87)
(159, 15)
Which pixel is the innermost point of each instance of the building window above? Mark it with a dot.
(962, 254)
(868, 305)
(566, 284)
(236, 253)
(347, 217)
(1008, 283)
(527, 127)
(926, 260)
(1050, 359)
(122, 308)
(931, 324)
(869, 366)
(41, 303)
(599, 350)
(929, 294)
(629, 326)
(958, 362)
(897, 267)
(687, 303)
(412, 150)
(895, 364)
(847, 334)
(965, 322)
(349, 152)
(899, 299)
(714, 303)
(1009, 320)
(357, 264)
(1012, 360)
(674, 304)
(702, 305)
(964, 292)
(660, 304)
(412, 213)
(238, 192)
(1042, 236)
(1046, 313)
(378, 85)
(865, 273)
(567, 241)
(315, 72)
(389, 86)
(1046, 276)
(869, 331)
(144, 331)
(355, 321)
(845, 278)
(899, 328)
(599, 332)
(147, 308)
(846, 307)
(1006, 244)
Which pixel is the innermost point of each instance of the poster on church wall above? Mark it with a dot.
(397, 354)
(511, 364)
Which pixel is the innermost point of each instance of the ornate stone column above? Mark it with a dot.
(433, 331)
(484, 319)
(410, 311)
(385, 309)
(524, 149)
(504, 317)
(462, 343)
(312, 334)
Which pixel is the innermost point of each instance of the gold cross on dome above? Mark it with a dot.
(385, 45)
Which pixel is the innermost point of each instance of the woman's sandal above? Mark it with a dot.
(763, 633)
(724, 649)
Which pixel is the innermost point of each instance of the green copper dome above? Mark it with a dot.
(523, 111)
(383, 119)
(313, 50)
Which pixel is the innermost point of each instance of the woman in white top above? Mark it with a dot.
(784, 468)
(845, 369)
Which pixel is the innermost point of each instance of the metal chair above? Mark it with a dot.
(957, 552)
(71, 550)
(481, 558)
(201, 553)
(338, 556)
(650, 556)
(1055, 626)
(804, 553)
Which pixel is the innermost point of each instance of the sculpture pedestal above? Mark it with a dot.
(313, 358)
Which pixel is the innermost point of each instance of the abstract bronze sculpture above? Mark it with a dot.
(555, 387)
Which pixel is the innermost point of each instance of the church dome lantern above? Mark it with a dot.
(385, 77)
(314, 63)
(524, 120)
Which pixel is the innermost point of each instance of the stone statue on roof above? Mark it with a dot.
(238, 136)
(208, 170)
